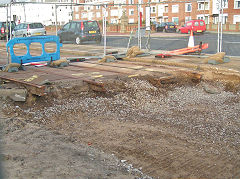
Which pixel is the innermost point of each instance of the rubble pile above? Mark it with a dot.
(202, 115)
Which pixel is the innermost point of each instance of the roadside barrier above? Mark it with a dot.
(191, 40)
(28, 58)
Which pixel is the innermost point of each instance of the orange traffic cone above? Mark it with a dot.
(191, 40)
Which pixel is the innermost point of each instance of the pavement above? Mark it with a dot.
(164, 34)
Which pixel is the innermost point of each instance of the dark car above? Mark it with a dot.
(80, 31)
(166, 27)
(4, 30)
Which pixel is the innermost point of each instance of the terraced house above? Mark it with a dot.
(177, 11)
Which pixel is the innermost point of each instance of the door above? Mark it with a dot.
(19, 30)
(64, 31)
(22, 30)
(72, 31)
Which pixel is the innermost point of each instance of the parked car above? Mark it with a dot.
(80, 31)
(29, 29)
(166, 27)
(3, 29)
(197, 26)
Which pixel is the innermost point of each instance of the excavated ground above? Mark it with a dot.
(133, 130)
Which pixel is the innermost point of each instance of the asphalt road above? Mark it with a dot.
(231, 42)
(163, 42)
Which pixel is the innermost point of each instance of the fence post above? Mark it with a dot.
(104, 29)
(139, 35)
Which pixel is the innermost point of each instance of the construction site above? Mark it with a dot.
(124, 115)
(117, 109)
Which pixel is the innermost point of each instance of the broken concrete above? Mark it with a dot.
(14, 94)
(12, 67)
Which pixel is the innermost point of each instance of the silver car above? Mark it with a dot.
(29, 29)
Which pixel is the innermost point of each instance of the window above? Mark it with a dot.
(78, 26)
(189, 24)
(166, 8)
(84, 15)
(201, 23)
(236, 4)
(188, 18)
(203, 6)
(131, 12)
(90, 24)
(77, 16)
(204, 17)
(196, 23)
(224, 18)
(175, 20)
(225, 3)
(236, 18)
(131, 21)
(114, 12)
(76, 9)
(153, 19)
(73, 26)
(35, 26)
(175, 8)
(200, 17)
(131, 1)
(113, 21)
(153, 9)
(188, 7)
(97, 7)
(98, 14)
(66, 27)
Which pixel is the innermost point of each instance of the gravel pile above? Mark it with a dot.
(213, 117)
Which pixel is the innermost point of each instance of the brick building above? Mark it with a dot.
(177, 11)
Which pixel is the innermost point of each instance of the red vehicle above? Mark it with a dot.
(197, 26)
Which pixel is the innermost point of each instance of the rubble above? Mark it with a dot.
(156, 129)
(19, 95)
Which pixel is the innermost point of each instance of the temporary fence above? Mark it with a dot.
(121, 25)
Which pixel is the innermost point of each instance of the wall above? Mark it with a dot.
(226, 27)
